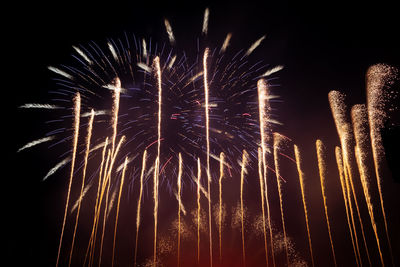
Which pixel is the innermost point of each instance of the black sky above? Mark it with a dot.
(324, 46)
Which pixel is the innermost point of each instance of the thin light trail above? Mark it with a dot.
(77, 111)
(88, 139)
(260, 176)
(116, 97)
(206, 107)
(155, 210)
(198, 208)
(301, 179)
(139, 203)
(264, 110)
(118, 202)
(277, 142)
(242, 173)
(179, 183)
(339, 162)
(322, 175)
(221, 176)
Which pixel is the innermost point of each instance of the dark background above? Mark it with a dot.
(324, 46)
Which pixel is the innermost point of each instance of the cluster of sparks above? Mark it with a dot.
(204, 121)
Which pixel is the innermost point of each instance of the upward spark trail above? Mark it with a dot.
(206, 107)
(322, 175)
(264, 109)
(77, 111)
(221, 175)
(260, 176)
(198, 208)
(242, 173)
(179, 207)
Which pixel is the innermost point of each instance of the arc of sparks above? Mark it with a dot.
(277, 142)
(77, 111)
(264, 109)
(139, 202)
(322, 175)
(88, 139)
(118, 202)
(179, 207)
(221, 175)
(260, 176)
(242, 173)
(206, 107)
(301, 179)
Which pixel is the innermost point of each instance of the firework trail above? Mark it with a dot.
(198, 208)
(118, 202)
(205, 21)
(36, 142)
(179, 206)
(242, 173)
(301, 178)
(169, 32)
(40, 106)
(260, 176)
(360, 127)
(277, 142)
(343, 126)
(379, 78)
(77, 111)
(57, 167)
(226, 43)
(254, 45)
(221, 175)
(88, 138)
(264, 110)
(116, 97)
(139, 202)
(155, 211)
(206, 107)
(97, 200)
(339, 162)
(322, 175)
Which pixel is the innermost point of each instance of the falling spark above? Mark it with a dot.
(254, 45)
(379, 78)
(226, 43)
(260, 175)
(118, 202)
(83, 55)
(301, 178)
(264, 109)
(40, 106)
(36, 142)
(322, 175)
(242, 173)
(88, 139)
(205, 21)
(278, 139)
(179, 207)
(139, 201)
(206, 107)
(360, 127)
(77, 111)
(272, 71)
(221, 175)
(169, 32)
(339, 162)
(60, 72)
(198, 208)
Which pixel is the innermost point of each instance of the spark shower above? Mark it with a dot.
(146, 118)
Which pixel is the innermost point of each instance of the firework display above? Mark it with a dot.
(150, 128)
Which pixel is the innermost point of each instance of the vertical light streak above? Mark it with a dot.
(88, 138)
(179, 207)
(260, 176)
(301, 178)
(360, 127)
(118, 202)
(242, 173)
(198, 208)
(322, 175)
(139, 202)
(339, 162)
(277, 143)
(155, 211)
(221, 175)
(206, 106)
(379, 78)
(264, 109)
(77, 111)
(116, 97)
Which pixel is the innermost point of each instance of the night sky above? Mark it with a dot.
(323, 46)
